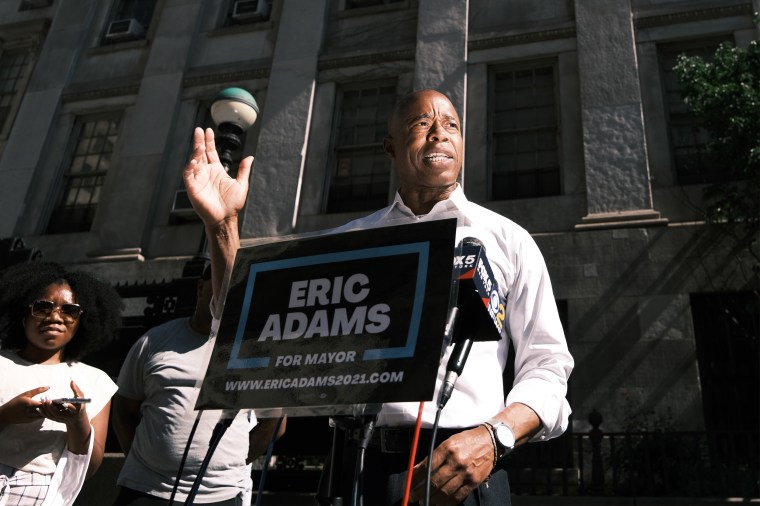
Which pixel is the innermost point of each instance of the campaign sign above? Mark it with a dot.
(334, 321)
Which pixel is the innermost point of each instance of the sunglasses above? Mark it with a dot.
(69, 312)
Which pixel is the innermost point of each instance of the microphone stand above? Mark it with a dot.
(368, 427)
(216, 436)
(267, 458)
(360, 429)
(463, 339)
(184, 458)
(332, 499)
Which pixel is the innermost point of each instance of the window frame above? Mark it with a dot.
(680, 118)
(22, 82)
(493, 73)
(370, 204)
(66, 175)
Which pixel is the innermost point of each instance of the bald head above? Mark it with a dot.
(412, 97)
(425, 144)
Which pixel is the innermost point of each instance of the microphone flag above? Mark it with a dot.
(478, 294)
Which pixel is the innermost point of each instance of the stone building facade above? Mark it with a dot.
(573, 129)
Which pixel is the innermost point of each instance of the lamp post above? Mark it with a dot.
(233, 110)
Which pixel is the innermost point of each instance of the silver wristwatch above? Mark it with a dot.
(503, 436)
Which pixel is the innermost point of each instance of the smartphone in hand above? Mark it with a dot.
(71, 400)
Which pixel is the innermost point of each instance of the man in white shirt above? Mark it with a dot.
(481, 423)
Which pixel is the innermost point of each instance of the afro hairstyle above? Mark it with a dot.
(21, 284)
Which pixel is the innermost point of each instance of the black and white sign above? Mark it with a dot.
(334, 321)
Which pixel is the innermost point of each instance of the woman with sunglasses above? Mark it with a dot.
(53, 409)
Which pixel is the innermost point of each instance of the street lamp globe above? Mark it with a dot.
(233, 110)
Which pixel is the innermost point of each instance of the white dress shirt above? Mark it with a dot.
(542, 360)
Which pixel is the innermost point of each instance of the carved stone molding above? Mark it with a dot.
(623, 219)
(521, 38)
(206, 76)
(365, 59)
(80, 94)
(651, 21)
(28, 34)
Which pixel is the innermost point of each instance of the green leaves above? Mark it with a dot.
(725, 93)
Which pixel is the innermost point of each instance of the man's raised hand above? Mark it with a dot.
(215, 196)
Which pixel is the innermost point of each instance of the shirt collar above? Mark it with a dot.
(455, 201)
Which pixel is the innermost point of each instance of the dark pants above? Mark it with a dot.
(133, 497)
(383, 479)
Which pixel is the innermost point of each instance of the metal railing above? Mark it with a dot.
(624, 464)
(643, 464)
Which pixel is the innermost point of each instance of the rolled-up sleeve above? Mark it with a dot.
(542, 359)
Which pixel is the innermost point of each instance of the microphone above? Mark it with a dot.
(479, 313)
(454, 368)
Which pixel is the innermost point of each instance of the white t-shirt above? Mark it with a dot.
(162, 370)
(37, 446)
(543, 362)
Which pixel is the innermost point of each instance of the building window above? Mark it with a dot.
(243, 12)
(83, 179)
(524, 133)
(360, 177)
(15, 69)
(129, 20)
(688, 138)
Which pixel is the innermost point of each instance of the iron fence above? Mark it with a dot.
(643, 464)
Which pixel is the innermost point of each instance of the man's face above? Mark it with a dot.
(425, 142)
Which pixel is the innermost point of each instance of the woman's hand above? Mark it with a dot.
(65, 412)
(75, 417)
(23, 408)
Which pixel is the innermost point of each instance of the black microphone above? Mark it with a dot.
(454, 368)
(479, 312)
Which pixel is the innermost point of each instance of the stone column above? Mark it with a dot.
(440, 60)
(146, 132)
(618, 189)
(40, 106)
(441, 53)
(285, 119)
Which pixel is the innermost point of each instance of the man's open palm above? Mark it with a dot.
(215, 196)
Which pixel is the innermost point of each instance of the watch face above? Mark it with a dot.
(505, 436)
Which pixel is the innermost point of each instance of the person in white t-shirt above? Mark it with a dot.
(154, 418)
(50, 438)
